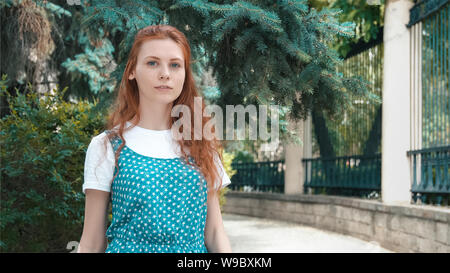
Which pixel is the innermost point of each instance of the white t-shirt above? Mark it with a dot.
(99, 163)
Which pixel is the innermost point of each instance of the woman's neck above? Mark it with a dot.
(154, 117)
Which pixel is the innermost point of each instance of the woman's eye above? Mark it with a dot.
(175, 65)
(152, 62)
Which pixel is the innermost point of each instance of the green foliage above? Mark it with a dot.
(211, 93)
(243, 157)
(368, 20)
(266, 52)
(9, 3)
(227, 159)
(115, 14)
(44, 141)
(96, 63)
(262, 52)
(55, 9)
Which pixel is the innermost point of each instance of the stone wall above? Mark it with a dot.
(409, 228)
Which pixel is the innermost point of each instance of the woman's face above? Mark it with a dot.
(160, 62)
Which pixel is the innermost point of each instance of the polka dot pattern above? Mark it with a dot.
(158, 205)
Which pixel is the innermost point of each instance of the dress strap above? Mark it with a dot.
(115, 141)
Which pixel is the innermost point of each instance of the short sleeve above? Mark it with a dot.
(222, 174)
(99, 165)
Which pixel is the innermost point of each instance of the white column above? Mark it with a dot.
(307, 147)
(395, 176)
(294, 173)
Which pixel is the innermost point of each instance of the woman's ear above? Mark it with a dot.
(131, 76)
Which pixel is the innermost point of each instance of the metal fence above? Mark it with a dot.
(358, 130)
(356, 136)
(430, 102)
(258, 176)
(357, 175)
(431, 175)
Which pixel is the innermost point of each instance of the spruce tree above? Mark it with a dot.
(261, 52)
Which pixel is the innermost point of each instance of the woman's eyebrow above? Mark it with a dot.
(154, 57)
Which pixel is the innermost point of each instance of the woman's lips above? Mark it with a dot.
(163, 88)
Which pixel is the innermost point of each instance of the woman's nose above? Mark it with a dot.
(164, 73)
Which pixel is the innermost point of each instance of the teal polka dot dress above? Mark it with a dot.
(158, 205)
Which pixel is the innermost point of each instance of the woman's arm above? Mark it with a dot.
(93, 238)
(216, 239)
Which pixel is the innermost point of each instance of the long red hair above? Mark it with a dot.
(125, 107)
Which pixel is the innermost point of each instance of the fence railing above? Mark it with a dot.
(431, 175)
(258, 176)
(355, 175)
(423, 9)
(430, 102)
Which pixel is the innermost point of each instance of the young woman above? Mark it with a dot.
(164, 192)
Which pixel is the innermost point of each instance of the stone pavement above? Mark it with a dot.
(256, 235)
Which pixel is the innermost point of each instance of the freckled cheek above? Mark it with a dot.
(179, 79)
(153, 75)
(147, 76)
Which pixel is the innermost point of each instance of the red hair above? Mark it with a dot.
(126, 105)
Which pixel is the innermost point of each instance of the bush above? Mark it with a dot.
(227, 159)
(243, 157)
(44, 141)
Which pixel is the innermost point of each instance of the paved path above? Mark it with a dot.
(256, 235)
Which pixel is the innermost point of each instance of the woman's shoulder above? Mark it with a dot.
(100, 137)
(98, 141)
(104, 139)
